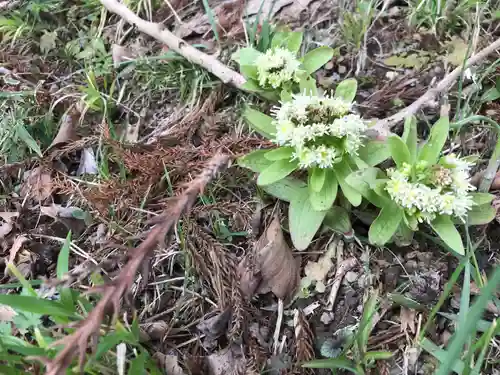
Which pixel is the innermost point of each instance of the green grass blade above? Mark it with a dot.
(211, 19)
(63, 258)
(467, 330)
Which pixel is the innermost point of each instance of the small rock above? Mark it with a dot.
(327, 317)
(329, 65)
(391, 276)
(342, 69)
(411, 266)
(351, 276)
(390, 75)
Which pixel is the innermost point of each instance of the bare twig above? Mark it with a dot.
(344, 266)
(88, 329)
(159, 32)
(385, 124)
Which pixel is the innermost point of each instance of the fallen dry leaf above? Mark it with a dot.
(407, 317)
(227, 14)
(16, 246)
(169, 363)
(228, 361)
(67, 129)
(5, 229)
(278, 267)
(317, 271)
(88, 164)
(7, 313)
(8, 216)
(120, 54)
(216, 325)
(155, 331)
(38, 184)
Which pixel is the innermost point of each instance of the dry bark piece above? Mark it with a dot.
(16, 246)
(407, 317)
(278, 267)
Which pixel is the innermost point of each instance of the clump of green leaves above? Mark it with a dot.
(355, 24)
(279, 69)
(38, 312)
(425, 187)
(318, 137)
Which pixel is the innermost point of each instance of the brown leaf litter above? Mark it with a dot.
(113, 291)
(271, 266)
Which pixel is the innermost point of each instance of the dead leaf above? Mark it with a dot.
(407, 317)
(458, 48)
(38, 184)
(5, 229)
(8, 216)
(229, 361)
(250, 278)
(74, 218)
(216, 325)
(286, 10)
(120, 54)
(16, 246)
(88, 164)
(317, 271)
(67, 129)
(278, 267)
(7, 313)
(155, 331)
(169, 364)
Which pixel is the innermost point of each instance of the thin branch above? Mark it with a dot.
(159, 32)
(442, 86)
(87, 330)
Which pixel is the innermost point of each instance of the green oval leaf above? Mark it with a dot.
(446, 230)
(246, 56)
(256, 161)
(410, 136)
(317, 178)
(304, 220)
(347, 89)
(276, 171)
(260, 122)
(482, 198)
(342, 170)
(286, 189)
(399, 150)
(481, 215)
(323, 199)
(291, 40)
(249, 71)
(439, 134)
(337, 219)
(315, 59)
(385, 225)
(374, 152)
(280, 153)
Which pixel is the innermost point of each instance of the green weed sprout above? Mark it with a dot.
(425, 187)
(318, 135)
(279, 69)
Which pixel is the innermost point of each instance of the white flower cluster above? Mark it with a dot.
(450, 196)
(319, 128)
(276, 67)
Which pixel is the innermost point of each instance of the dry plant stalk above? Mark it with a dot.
(304, 338)
(112, 292)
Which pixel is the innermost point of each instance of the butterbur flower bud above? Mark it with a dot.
(442, 190)
(277, 67)
(320, 129)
